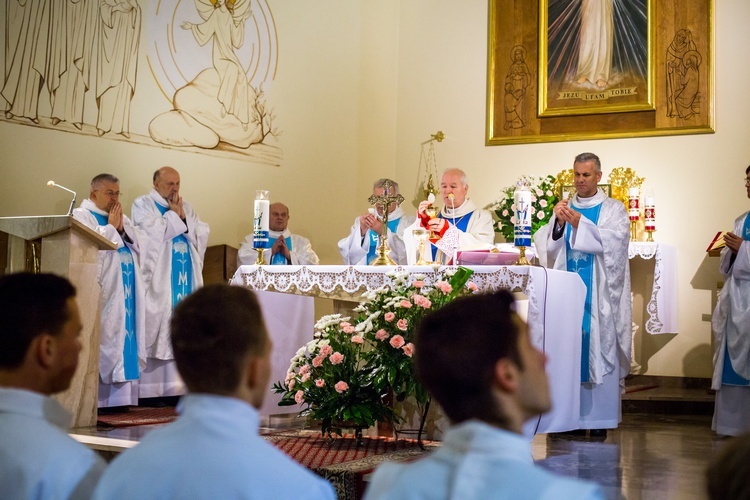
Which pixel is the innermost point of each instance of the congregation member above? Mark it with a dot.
(460, 224)
(589, 235)
(213, 449)
(475, 357)
(172, 263)
(122, 352)
(731, 327)
(285, 247)
(40, 326)
(727, 472)
(361, 246)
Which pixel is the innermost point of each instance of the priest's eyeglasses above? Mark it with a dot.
(111, 193)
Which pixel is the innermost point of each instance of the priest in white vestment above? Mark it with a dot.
(172, 265)
(459, 226)
(360, 247)
(284, 248)
(731, 327)
(122, 351)
(589, 235)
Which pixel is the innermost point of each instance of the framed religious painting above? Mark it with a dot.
(589, 69)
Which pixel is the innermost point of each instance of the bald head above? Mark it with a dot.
(278, 216)
(167, 182)
(453, 187)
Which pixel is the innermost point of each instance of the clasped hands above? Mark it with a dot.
(564, 213)
(175, 204)
(280, 247)
(733, 242)
(115, 216)
(369, 220)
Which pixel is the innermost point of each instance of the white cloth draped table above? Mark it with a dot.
(662, 305)
(555, 312)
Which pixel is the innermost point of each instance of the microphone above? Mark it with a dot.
(73, 201)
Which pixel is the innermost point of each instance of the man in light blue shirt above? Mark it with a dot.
(39, 347)
(475, 357)
(213, 450)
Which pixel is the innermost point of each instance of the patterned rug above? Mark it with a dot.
(138, 415)
(341, 461)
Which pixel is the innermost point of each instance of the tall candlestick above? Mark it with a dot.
(649, 216)
(634, 211)
(260, 219)
(522, 228)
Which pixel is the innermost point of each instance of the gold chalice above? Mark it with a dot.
(432, 211)
(420, 235)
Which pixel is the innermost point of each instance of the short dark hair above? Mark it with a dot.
(30, 304)
(584, 157)
(456, 349)
(747, 170)
(213, 330)
(156, 174)
(103, 178)
(726, 475)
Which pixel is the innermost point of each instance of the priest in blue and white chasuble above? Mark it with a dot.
(358, 249)
(731, 328)
(598, 251)
(300, 250)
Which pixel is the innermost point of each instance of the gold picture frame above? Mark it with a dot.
(678, 81)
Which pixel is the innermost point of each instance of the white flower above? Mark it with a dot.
(543, 203)
(505, 213)
(540, 215)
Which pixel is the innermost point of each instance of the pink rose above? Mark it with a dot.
(405, 304)
(317, 361)
(418, 284)
(304, 369)
(320, 382)
(389, 316)
(336, 358)
(344, 324)
(421, 301)
(473, 286)
(299, 397)
(408, 349)
(444, 287)
(397, 341)
(348, 329)
(305, 377)
(358, 340)
(341, 386)
(290, 384)
(402, 324)
(381, 334)
(325, 351)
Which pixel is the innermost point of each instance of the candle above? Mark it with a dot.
(649, 214)
(522, 233)
(634, 209)
(260, 219)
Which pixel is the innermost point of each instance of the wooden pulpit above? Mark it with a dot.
(61, 245)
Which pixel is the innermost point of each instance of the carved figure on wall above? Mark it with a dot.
(687, 98)
(682, 43)
(517, 80)
(117, 64)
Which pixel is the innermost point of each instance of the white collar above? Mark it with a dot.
(89, 205)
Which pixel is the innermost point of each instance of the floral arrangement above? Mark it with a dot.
(544, 196)
(344, 375)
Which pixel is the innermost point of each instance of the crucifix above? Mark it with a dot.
(384, 200)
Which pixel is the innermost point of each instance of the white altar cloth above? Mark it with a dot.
(555, 312)
(662, 305)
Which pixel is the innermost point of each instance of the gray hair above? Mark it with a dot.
(99, 179)
(381, 183)
(584, 157)
(459, 171)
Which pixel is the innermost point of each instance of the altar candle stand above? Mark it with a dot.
(634, 211)
(260, 224)
(522, 228)
(649, 216)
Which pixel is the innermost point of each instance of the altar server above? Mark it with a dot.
(460, 224)
(122, 352)
(39, 346)
(731, 327)
(213, 449)
(172, 263)
(475, 357)
(284, 247)
(589, 235)
(361, 246)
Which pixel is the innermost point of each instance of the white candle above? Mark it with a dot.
(522, 200)
(260, 220)
(634, 210)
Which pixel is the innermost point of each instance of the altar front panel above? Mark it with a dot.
(555, 312)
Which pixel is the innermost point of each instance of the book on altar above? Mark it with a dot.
(718, 242)
(502, 254)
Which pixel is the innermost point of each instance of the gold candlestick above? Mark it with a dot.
(259, 259)
(633, 230)
(650, 237)
(522, 260)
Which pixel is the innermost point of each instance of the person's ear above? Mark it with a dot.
(507, 375)
(44, 349)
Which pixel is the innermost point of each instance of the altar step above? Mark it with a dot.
(668, 395)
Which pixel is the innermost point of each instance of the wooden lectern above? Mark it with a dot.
(61, 245)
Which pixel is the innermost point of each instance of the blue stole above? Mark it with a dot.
(278, 259)
(582, 263)
(372, 253)
(462, 223)
(130, 349)
(728, 375)
(182, 265)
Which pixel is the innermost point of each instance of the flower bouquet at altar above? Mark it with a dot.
(345, 374)
(544, 196)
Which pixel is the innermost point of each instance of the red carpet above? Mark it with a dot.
(138, 415)
(341, 461)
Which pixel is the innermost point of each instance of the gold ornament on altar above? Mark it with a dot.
(430, 164)
(385, 201)
(621, 179)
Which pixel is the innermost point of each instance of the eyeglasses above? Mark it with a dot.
(110, 193)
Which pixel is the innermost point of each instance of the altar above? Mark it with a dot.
(555, 312)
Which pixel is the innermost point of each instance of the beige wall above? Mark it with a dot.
(359, 86)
